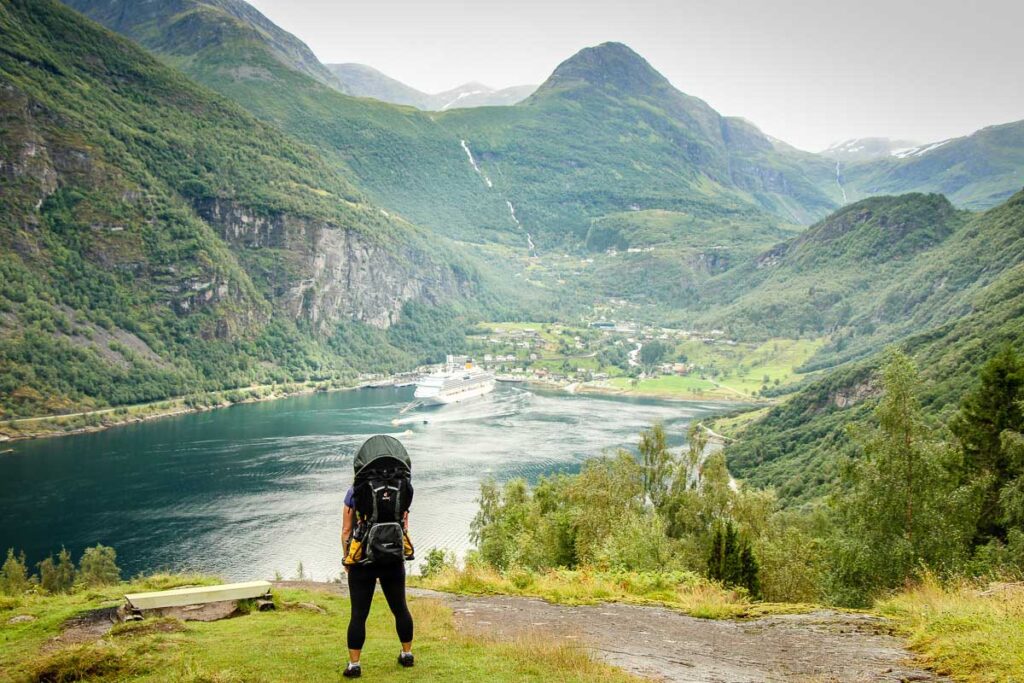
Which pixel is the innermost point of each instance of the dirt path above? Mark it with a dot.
(662, 644)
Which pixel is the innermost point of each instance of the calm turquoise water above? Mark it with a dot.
(257, 488)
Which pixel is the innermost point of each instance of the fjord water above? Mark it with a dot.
(255, 489)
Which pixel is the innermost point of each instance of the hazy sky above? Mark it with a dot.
(808, 71)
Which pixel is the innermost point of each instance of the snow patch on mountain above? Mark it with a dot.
(917, 151)
(463, 95)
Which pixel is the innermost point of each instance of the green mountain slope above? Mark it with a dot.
(559, 164)
(606, 133)
(973, 289)
(400, 156)
(157, 240)
(976, 172)
(365, 81)
(182, 28)
(829, 277)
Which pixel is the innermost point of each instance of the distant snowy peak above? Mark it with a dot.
(921, 150)
(865, 149)
(479, 95)
(365, 81)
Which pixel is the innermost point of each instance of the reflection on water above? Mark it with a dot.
(257, 488)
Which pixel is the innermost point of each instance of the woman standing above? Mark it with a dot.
(374, 534)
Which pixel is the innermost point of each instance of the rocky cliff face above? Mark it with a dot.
(326, 273)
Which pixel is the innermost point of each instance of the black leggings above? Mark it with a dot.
(362, 579)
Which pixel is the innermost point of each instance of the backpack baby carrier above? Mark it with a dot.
(382, 494)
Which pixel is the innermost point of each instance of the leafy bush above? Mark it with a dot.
(437, 561)
(98, 566)
(59, 576)
(14, 579)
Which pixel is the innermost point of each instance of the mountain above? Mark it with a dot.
(158, 240)
(959, 301)
(365, 81)
(401, 157)
(606, 133)
(977, 171)
(819, 282)
(866, 149)
(432, 169)
(183, 29)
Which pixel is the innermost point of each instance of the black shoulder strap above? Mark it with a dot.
(373, 496)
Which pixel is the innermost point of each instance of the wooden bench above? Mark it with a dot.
(189, 602)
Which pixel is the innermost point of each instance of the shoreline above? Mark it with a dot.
(102, 419)
(119, 416)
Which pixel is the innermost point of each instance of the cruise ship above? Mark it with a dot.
(459, 380)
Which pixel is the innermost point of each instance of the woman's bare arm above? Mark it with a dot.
(346, 525)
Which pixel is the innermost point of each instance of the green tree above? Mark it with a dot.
(731, 559)
(989, 410)
(652, 352)
(98, 566)
(499, 520)
(14, 579)
(904, 507)
(1011, 496)
(657, 463)
(59, 576)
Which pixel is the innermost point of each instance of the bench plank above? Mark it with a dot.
(198, 595)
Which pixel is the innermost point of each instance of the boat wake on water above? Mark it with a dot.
(505, 403)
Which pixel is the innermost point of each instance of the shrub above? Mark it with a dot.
(437, 561)
(98, 566)
(732, 560)
(638, 543)
(59, 576)
(14, 578)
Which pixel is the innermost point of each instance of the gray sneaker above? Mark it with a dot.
(406, 659)
(353, 671)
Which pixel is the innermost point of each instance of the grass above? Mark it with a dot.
(688, 386)
(733, 425)
(293, 643)
(683, 591)
(963, 631)
(743, 367)
(728, 371)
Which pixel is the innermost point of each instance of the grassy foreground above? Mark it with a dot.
(684, 591)
(302, 640)
(966, 632)
(969, 633)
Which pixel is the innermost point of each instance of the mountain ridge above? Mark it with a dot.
(363, 80)
(961, 301)
(975, 171)
(158, 240)
(407, 159)
(196, 22)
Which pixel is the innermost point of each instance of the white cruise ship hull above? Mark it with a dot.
(458, 381)
(456, 395)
